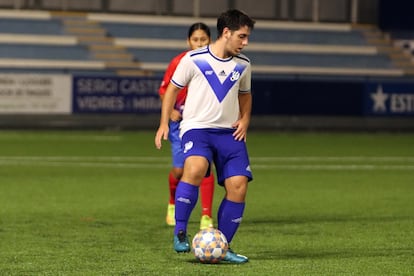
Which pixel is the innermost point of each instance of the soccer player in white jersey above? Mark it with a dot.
(214, 126)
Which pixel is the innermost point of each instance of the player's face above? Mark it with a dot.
(237, 40)
(198, 39)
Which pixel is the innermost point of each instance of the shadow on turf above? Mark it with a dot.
(325, 219)
(194, 261)
(189, 257)
(279, 254)
(357, 253)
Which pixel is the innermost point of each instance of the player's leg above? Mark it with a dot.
(234, 173)
(232, 206)
(197, 156)
(173, 179)
(186, 198)
(207, 192)
(231, 213)
(177, 170)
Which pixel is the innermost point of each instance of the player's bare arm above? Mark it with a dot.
(242, 124)
(175, 114)
(168, 101)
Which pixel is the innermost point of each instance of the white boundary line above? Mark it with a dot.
(254, 158)
(329, 167)
(351, 167)
(164, 162)
(83, 164)
(334, 158)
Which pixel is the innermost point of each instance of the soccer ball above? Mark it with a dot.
(209, 245)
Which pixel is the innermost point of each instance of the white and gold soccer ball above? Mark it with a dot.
(209, 245)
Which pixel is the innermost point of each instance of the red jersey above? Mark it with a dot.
(179, 104)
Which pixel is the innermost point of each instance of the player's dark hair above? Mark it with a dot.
(234, 20)
(198, 26)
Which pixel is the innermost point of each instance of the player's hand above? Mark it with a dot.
(175, 116)
(162, 134)
(240, 134)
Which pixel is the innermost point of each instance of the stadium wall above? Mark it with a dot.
(33, 101)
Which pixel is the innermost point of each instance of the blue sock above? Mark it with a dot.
(220, 210)
(186, 197)
(230, 218)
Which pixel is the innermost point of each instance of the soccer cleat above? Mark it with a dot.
(170, 218)
(234, 258)
(206, 222)
(181, 243)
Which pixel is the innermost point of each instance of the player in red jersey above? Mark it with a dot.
(198, 36)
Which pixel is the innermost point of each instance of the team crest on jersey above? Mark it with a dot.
(235, 75)
(188, 146)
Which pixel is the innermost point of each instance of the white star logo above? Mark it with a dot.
(379, 99)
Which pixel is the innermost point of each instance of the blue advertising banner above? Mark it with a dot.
(94, 94)
(116, 94)
(300, 97)
(389, 99)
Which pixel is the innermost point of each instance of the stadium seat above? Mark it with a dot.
(130, 45)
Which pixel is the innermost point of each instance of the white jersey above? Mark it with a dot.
(213, 88)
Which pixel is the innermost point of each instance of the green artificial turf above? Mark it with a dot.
(94, 203)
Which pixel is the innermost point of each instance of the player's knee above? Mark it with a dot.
(193, 175)
(236, 188)
(196, 166)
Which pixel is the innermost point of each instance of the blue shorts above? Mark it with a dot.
(176, 150)
(230, 157)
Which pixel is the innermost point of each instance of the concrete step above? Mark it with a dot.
(134, 73)
(121, 56)
(98, 31)
(123, 65)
